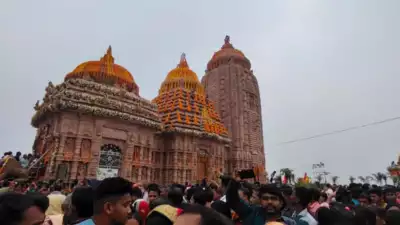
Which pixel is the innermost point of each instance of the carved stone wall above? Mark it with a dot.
(235, 91)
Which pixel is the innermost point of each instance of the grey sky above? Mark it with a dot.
(321, 65)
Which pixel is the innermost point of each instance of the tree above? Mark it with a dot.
(395, 180)
(384, 177)
(319, 178)
(352, 179)
(362, 179)
(288, 173)
(334, 179)
(378, 177)
(369, 178)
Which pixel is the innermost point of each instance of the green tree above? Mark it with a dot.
(352, 179)
(362, 179)
(334, 179)
(288, 173)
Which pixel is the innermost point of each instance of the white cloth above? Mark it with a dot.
(307, 217)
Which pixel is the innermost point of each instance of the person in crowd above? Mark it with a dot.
(153, 192)
(323, 200)
(82, 205)
(328, 189)
(390, 195)
(203, 196)
(392, 218)
(112, 202)
(364, 200)
(364, 216)
(175, 196)
(20, 209)
(270, 209)
(18, 156)
(287, 193)
(56, 199)
(245, 195)
(376, 197)
(303, 199)
(314, 204)
(200, 215)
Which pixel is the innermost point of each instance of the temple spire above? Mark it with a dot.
(227, 39)
(183, 63)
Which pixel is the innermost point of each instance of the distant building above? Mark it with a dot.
(96, 125)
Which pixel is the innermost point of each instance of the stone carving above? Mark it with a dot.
(69, 149)
(86, 150)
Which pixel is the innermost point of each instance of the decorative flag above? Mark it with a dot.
(284, 179)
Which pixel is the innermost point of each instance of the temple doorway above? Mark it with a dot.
(110, 161)
(202, 164)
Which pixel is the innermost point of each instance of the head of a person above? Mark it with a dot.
(375, 195)
(303, 197)
(175, 194)
(19, 209)
(203, 196)
(245, 194)
(57, 187)
(200, 215)
(325, 216)
(364, 199)
(18, 154)
(390, 194)
(112, 200)
(327, 186)
(315, 194)
(323, 197)
(82, 201)
(136, 193)
(271, 199)
(39, 200)
(153, 192)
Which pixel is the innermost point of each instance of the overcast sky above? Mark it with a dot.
(321, 66)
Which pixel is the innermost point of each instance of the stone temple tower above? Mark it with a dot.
(231, 84)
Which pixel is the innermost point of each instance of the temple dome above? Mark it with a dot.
(105, 71)
(181, 76)
(184, 107)
(225, 54)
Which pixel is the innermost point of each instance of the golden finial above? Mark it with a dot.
(183, 63)
(108, 61)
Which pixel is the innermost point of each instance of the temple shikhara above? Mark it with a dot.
(95, 124)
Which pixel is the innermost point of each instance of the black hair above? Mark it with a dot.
(246, 192)
(136, 192)
(325, 216)
(376, 191)
(39, 200)
(315, 194)
(157, 202)
(110, 190)
(324, 196)
(175, 194)
(202, 195)
(222, 207)
(82, 199)
(304, 195)
(154, 187)
(13, 206)
(57, 187)
(286, 190)
(208, 216)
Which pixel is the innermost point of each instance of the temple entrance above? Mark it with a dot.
(110, 161)
(202, 164)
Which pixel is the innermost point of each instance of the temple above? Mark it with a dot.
(96, 125)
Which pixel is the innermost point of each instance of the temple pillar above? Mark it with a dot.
(140, 173)
(94, 159)
(75, 160)
(126, 167)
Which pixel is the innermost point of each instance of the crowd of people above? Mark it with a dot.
(230, 200)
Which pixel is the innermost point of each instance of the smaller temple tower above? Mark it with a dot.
(230, 82)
